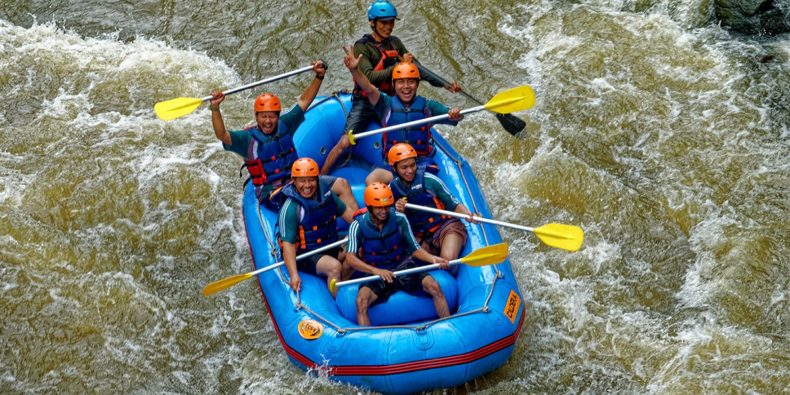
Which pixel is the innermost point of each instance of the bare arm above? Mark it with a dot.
(309, 94)
(352, 63)
(289, 256)
(216, 118)
(425, 256)
(358, 264)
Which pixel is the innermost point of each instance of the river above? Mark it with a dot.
(661, 134)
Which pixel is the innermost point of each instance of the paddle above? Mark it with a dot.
(228, 282)
(514, 99)
(566, 237)
(509, 122)
(180, 106)
(483, 256)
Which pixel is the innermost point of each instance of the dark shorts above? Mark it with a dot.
(308, 265)
(360, 115)
(411, 283)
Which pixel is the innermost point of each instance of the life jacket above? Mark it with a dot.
(418, 137)
(383, 248)
(389, 57)
(317, 227)
(423, 223)
(270, 157)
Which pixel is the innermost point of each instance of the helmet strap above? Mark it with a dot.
(376, 35)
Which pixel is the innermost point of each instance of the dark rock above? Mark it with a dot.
(765, 58)
(755, 16)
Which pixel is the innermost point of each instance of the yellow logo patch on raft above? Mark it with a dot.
(512, 305)
(310, 329)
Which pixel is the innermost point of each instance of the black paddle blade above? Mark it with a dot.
(510, 123)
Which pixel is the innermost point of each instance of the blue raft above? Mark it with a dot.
(408, 348)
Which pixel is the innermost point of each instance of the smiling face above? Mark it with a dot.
(382, 29)
(267, 121)
(406, 89)
(406, 169)
(306, 186)
(379, 213)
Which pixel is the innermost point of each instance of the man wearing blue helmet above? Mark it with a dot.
(380, 52)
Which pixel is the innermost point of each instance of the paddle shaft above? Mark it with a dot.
(417, 122)
(263, 81)
(424, 70)
(476, 218)
(398, 273)
(510, 123)
(305, 255)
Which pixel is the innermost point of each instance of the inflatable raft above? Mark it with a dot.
(407, 348)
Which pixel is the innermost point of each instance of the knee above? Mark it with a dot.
(378, 175)
(432, 287)
(342, 185)
(362, 302)
(335, 269)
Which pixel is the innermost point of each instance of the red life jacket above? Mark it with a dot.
(389, 57)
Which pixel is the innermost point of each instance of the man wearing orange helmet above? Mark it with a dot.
(307, 222)
(379, 52)
(268, 146)
(405, 106)
(438, 234)
(380, 241)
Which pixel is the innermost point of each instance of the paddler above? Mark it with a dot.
(379, 52)
(438, 234)
(405, 106)
(307, 221)
(268, 146)
(380, 241)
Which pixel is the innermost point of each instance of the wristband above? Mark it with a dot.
(320, 77)
(213, 108)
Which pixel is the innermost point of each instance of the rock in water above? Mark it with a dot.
(755, 16)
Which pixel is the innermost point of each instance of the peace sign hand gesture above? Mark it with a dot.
(349, 60)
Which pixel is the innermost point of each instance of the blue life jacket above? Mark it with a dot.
(383, 249)
(270, 157)
(318, 226)
(418, 137)
(423, 223)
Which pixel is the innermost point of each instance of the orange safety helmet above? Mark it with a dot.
(405, 70)
(399, 152)
(378, 195)
(304, 167)
(267, 102)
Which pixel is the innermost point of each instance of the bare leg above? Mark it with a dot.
(331, 268)
(365, 297)
(451, 246)
(439, 302)
(379, 175)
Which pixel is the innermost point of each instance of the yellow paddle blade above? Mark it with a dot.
(486, 255)
(512, 100)
(226, 282)
(566, 237)
(174, 108)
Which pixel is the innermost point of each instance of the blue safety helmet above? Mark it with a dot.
(383, 10)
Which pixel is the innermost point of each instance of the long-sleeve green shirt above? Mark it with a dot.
(371, 57)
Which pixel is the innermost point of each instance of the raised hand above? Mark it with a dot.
(349, 60)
